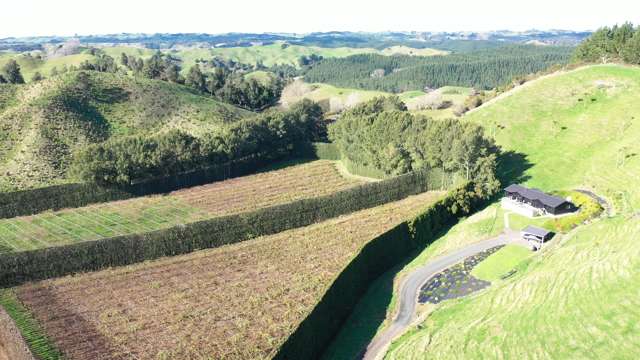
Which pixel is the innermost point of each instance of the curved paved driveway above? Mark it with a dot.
(412, 284)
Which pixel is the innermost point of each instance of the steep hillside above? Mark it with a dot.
(580, 128)
(578, 298)
(42, 123)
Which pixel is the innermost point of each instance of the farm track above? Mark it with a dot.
(409, 289)
(235, 302)
(158, 212)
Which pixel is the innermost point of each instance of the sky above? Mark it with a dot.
(70, 17)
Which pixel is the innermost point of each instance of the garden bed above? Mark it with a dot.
(455, 281)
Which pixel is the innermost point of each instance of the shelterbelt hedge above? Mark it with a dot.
(48, 262)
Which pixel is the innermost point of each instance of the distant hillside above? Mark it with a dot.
(481, 69)
(579, 297)
(187, 56)
(43, 123)
(441, 40)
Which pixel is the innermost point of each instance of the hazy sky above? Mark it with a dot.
(69, 17)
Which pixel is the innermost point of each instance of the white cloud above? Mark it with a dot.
(68, 17)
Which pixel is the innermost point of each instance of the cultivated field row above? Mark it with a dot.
(158, 212)
(240, 301)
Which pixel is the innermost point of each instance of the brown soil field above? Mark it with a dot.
(267, 189)
(239, 301)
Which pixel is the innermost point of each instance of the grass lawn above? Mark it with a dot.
(500, 262)
(577, 129)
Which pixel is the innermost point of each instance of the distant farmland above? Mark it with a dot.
(157, 212)
(235, 302)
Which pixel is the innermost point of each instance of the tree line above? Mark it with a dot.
(224, 80)
(382, 134)
(485, 69)
(617, 43)
(272, 134)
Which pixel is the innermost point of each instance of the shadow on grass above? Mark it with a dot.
(370, 313)
(512, 167)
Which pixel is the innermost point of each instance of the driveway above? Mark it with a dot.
(412, 284)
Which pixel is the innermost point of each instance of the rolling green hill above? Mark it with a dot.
(43, 123)
(579, 297)
(269, 55)
(29, 65)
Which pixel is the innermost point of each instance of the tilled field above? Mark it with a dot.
(235, 302)
(180, 207)
(266, 189)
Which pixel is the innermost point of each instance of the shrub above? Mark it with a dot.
(588, 209)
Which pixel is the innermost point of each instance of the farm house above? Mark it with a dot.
(533, 202)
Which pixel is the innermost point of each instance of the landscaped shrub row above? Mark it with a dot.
(589, 209)
(315, 333)
(17, 268)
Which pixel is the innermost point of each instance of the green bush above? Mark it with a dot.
(363, 170)
(588, 209)
(326, 151)
(16, 268)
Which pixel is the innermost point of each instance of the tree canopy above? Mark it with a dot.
(617, 43)
(12, 72)
(382, 134)
(484, 69)
(272, 134)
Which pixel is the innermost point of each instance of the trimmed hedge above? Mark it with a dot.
(17, 268)
(317, 330)
(326, 151)
(365, 171)
(29, 202)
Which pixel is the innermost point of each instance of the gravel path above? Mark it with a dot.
(411, 286)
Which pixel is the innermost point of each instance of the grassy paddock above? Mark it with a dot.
(500, 262)
(372, 314)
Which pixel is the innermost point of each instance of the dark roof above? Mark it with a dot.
(535, 194)
(536, 231)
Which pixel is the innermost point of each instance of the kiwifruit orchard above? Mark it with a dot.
(327, 196)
